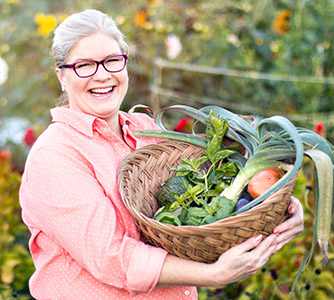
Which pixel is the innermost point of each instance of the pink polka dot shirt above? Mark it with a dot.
(84, 242)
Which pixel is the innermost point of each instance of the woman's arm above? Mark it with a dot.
(72, 215)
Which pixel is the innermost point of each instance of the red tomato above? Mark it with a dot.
(263, 180)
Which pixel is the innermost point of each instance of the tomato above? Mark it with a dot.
(263, 180)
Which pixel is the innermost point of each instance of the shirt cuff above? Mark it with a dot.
(144, 269)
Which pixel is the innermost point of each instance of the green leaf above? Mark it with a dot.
(219, 127)
(323, 185)
(187, 110)
(314, 140)
(226, 208)
(285, 124)
(209, 220)
(238, 122)
(214, 177)
(182, 170)
(228, 169)
(220, 155)
(190, 195)
(239, 129)
(238, 160)
(178, 136)
(168, 218)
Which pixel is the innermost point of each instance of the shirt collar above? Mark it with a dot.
(85, 123)
(76, 119)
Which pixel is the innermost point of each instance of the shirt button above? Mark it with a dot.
(187, 293)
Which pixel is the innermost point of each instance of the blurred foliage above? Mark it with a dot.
(287, 38)
(16, 265)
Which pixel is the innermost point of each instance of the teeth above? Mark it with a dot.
(101, 91)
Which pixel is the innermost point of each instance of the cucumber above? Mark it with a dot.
(175, 185)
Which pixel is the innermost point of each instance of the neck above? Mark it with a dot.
(116, 127)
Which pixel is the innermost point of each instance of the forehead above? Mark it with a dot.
(96, 46)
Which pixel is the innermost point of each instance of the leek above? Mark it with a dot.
(272, 141)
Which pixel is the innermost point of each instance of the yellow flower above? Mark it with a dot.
(62, 18)
(281, 23)
(13, 1)
(46, 23)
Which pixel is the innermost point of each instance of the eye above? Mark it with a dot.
(114, 59)
(83, 64)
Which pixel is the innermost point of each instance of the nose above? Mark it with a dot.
(101, 73)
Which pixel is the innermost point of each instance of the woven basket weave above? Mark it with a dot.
(142, 172)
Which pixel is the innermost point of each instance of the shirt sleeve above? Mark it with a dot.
(62, 197)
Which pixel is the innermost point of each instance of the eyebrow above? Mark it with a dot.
(80, 59)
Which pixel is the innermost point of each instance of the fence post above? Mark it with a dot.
(157, 81)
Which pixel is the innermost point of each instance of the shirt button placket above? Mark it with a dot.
(186, 292)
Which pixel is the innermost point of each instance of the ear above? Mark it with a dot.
(61, 79)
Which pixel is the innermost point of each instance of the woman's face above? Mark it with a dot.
(101, 94)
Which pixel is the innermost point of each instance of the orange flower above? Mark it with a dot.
(154, 2)
(281, 23)
(141, 18)
(5, 154)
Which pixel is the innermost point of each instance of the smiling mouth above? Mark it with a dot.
(101, 91)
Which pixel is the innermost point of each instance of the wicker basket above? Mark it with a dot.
(139, 177)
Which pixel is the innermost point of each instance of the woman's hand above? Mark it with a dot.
(237, 263)
(292, 227)
(246, 258)
(243, 260)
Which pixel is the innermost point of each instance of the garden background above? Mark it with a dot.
(252, 57)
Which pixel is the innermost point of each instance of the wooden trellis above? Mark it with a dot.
(161, 96)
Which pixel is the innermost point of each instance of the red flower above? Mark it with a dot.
(29, 137)
(184, 125)
(319, 128)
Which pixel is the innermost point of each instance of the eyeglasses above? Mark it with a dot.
(87, 68)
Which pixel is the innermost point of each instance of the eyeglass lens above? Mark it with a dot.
(111, 64)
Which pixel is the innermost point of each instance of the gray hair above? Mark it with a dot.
(80, 25)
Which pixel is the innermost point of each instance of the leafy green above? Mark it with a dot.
(209, 174)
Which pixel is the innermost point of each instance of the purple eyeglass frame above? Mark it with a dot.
(101, 62)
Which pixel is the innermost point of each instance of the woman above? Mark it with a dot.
(84, 242)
